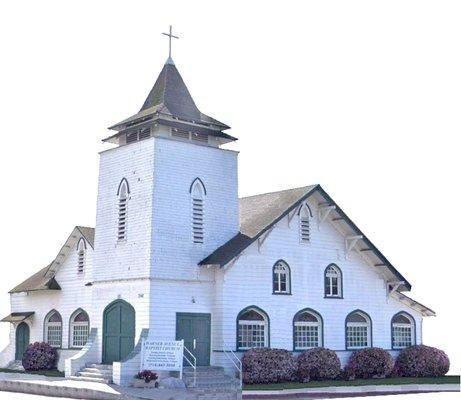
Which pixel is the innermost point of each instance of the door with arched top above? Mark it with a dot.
(22, 340)
(118, 331)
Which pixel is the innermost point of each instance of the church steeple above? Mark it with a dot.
(170, 106)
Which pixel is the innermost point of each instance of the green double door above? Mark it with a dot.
(22, 340)
(118, 331)
(195, 330)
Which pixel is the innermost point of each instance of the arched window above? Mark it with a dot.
(79, 328)
(53, 329)
(81, 247)
(358, 330)
(304, 224)
(403, 330)
(281, 279)
(307, 330)
(123, 194)
(333, 281)
(252, 329)
(198, 193)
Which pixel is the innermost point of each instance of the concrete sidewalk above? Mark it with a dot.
(62, 387)
(349, 391)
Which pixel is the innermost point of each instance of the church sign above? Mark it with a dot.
(159, 355)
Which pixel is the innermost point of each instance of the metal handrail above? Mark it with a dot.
(231, 356)
(193, 364)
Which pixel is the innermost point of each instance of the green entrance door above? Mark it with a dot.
(118, 331)
(22, 340)
(194, 329)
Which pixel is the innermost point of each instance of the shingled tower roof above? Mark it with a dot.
(170, 103)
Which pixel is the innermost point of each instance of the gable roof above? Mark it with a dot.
(258, 214)
(45, 278)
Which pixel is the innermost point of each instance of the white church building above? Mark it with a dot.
(176, 254)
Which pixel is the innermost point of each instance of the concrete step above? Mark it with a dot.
(204, 369)
(95, 375)
(88, 379)
(99, 366)
(102, 371)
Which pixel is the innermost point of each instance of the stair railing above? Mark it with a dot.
(192, 362)
(232, 357)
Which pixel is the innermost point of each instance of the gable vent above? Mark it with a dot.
(197, 220)
(304, 229)
(122, 208)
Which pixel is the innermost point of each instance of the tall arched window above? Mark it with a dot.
(403, 330)
(252, 328)
(281, 279)
(304, 224)
(79, 328)
(307, 330)
(81, 247)
(358, 330)
(53, 329)
(198, 193)
(123, 194)
(333, 281)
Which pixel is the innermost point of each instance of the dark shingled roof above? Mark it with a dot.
(259, 213)
(170, 97)
(39, 281)
(45, 278)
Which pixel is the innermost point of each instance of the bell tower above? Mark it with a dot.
(182, 202)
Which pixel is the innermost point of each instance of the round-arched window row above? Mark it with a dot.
(253, 330)
(79, 328)
(281, 280)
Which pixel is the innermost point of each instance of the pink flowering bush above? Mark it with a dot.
(318, 364)
(268, 366)
(38, 356)
(368, 363)
(421, 361)
(146, 375)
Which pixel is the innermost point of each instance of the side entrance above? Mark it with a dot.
(195, 330)
(118, 331)
(22, 340)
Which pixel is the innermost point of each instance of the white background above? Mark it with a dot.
(363, 97)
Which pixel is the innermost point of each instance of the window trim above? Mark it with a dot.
(71, 325)
(413, 329)
(288, 291)
(340, 286)
(320, 325)
(370, 330)
(267, 334)
(45, 327)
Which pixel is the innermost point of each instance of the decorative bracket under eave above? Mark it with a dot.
(393, 286)
(350, 242)
(263, 238)
(290, 217)
(324, 212)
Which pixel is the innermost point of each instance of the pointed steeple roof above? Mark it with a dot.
(169, 102)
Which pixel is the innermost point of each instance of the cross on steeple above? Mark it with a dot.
(170, 35)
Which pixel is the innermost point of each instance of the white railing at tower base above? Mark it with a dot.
(192, 361)
(232, 357)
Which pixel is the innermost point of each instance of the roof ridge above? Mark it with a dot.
(280, 191)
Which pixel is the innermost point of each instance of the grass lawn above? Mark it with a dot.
(46, 372)
(357, 382)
